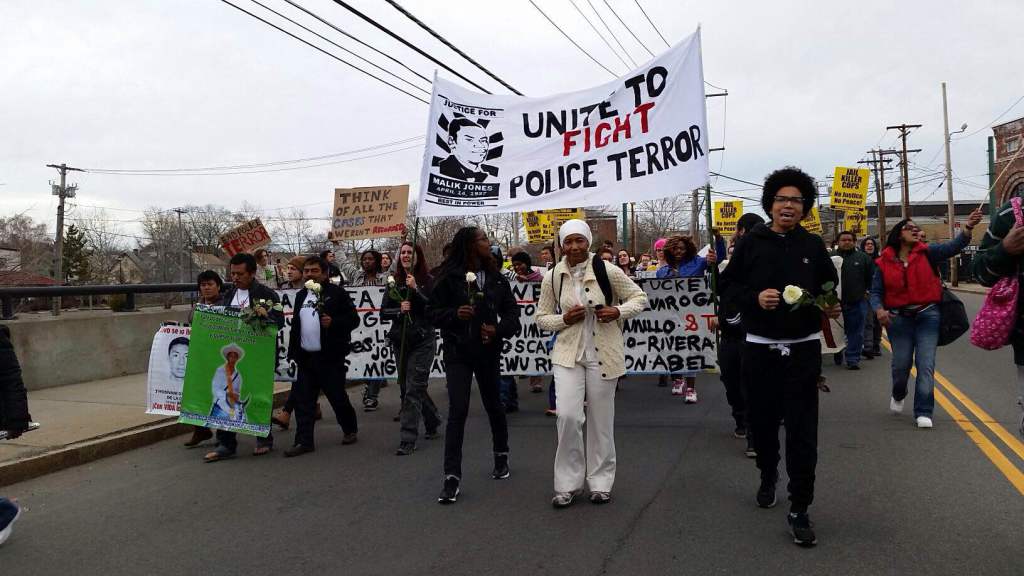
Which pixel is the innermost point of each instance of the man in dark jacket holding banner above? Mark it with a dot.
(321, 334)
(776, 275)
(242, 294)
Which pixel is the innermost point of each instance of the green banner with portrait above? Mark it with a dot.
(229, 379)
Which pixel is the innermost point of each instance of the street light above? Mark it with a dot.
(954, 265)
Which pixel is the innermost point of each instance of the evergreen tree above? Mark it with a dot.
(75, 263)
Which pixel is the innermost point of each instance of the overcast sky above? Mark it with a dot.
(157, 84)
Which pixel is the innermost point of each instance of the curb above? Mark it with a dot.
(93, 449)
(970, 289)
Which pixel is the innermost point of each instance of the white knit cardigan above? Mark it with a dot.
(629, 298)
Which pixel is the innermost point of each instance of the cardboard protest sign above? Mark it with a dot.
(370, 212)
(245, 238)
(850, 188)
(168, 358)
(542, 225)
(725, 215)
(229, 380)
(812, 221)
(639, 137)
(856, 221)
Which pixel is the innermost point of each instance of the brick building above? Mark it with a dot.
(1009, 139)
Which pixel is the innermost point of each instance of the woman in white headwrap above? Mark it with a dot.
(588, 358)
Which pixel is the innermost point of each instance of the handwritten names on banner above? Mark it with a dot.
(671, 335)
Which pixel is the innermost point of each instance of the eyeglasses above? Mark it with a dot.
(789, 199)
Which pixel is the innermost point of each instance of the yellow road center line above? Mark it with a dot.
(1001, 462)
(1009, 439)
(1015, 476)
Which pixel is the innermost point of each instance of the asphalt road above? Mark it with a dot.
(891, 499)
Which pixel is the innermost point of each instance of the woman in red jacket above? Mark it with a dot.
(904, 294)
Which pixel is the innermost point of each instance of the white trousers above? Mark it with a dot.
(596, 464)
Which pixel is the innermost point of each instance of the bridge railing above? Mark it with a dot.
(9, 293)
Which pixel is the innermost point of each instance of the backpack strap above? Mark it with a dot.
(602, 279)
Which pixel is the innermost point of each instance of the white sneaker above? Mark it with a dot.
(896, 406)
(678, 387)
(691, 395)
(924, 422)
(6, 532)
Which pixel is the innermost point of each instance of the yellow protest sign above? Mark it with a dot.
(856, 221)
(725, 215)
(542, 225)
(812, 222)
(850, 188)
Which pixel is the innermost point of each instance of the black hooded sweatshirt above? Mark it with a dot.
(764, 259)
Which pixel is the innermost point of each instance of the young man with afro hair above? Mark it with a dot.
(782, 351)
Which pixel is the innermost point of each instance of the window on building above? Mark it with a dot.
(1012, 145)
(1018, 190)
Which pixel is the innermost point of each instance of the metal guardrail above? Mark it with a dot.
(8, 294)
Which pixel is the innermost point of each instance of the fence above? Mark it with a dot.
(9, 294)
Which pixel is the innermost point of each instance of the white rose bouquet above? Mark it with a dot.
(316, 288)
(258, 314)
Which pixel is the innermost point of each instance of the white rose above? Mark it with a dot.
(470, 277)
(391, 280)
(792, 294)
(317, 287)
(309, 284)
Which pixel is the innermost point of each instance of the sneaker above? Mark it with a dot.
(405, 448)
(678, 387)
(350, 438)
(565, 499)
(449, 490)
(896, 406)
(600, 497)
(298, 450)
(802, 529)
(740, 432)
(370, 404)
(5, 532)
(501, 470)
(432, 434)
(749, 452)
(766, 493)
(691, 395)
(852, 367)
(924, 422)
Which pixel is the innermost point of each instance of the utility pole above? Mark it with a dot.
(954, 264)
(878, 167)
(694, 215)
(904, 131)
(62, 191)
(632, 213)
(515, 227)
(184, 248)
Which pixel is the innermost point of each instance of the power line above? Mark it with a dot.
(1007, 111)
(444, 41)
(335, 44)
(261, 164)
(578, 47)
(410, 45)
(599, 35)
(287, 169)
(651, 22)
(350, 36)
(311, 45)
(613, 35)
(628, 29)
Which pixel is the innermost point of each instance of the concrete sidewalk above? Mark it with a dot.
(970, 288)
(85, 422)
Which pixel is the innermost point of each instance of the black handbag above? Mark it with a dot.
(953, 322)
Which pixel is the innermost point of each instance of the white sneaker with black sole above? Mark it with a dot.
(924, 422)
(896, 406)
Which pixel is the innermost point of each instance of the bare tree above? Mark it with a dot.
(659, 218)
(31, 239)
(105, 239)
(204, 226)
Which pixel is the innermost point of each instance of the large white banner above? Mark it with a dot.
(639, 137)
